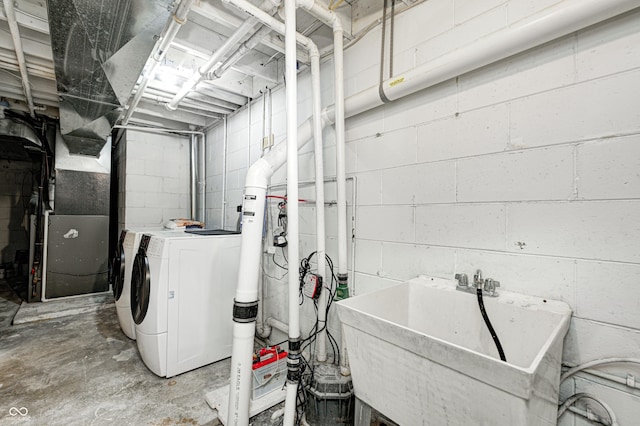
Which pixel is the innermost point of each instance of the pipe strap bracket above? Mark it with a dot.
(245, 312)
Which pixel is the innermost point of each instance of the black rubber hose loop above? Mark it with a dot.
(489, 326)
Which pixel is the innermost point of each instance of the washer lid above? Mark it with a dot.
(140, 287)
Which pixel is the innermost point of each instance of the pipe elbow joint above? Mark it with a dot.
(170, 107)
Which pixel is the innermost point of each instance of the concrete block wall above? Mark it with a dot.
(525, 168)
(156, 179)
(15, 192)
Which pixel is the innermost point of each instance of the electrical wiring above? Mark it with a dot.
(574, 398)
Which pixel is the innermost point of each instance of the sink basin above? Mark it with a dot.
(421, 354)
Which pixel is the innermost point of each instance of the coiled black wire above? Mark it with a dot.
(489, 326)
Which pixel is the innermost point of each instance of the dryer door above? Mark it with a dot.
(140, 287)
(118, 273)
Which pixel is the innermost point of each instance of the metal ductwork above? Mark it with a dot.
(99, 50)
(16, 139)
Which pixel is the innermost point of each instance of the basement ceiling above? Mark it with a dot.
(85, 61)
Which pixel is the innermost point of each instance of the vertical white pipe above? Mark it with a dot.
(224, 174)
(202, 184)
(340, 152)
(192, 175)
(293, 361)
(321, 347)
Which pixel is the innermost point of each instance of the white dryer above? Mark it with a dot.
(182, 291)
(122, 267)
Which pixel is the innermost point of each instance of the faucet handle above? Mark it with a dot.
(490, 286)
(463, 280)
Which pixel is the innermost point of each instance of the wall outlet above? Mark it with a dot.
(267, 141)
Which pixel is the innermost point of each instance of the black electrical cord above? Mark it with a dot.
(489, 326)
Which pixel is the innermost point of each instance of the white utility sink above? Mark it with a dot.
(421, 354)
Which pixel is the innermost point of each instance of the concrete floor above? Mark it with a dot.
(82, 370)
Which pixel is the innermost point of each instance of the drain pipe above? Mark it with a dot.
(178, 19)
(192, 175)
(244, 29)
(551, 23)
(22, 63)
(202, 178)
(224, 174)
(245, 308)
(331, 19)
(291, 75)
(254, 208)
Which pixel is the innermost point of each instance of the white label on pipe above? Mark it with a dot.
(249, 206)
(71, 233)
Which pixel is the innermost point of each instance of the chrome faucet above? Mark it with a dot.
(488, 285)
(477, 279)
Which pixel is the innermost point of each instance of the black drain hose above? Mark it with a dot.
(489, 326)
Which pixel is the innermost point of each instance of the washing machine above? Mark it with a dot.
(182, 291)
(122, 266)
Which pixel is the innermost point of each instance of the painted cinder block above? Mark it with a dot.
(391, 149)
(472, 133)
(406, 261)
(538, 174)
(609, 47)
(369, 188)
(468, 9)
(143, 183)
(589, 110)
(161, 168)
(135, 216)
(589, 340)
(364, 125)
(406, 26)
(479, 226)
(542, 276)
(608, 292)
(437, 102)
(541, 69)
(587, 230)
(608, 169)
(461, 35)
(420, 184)
(369, 257)
(386, 223)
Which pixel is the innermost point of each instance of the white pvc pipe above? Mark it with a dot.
(22, 63)
(177, 20)
(192, 176)
(321, 347)
(330, 18)
(551, 23)
(244, 29)
(224, 175)
(596, 363)
(291, 75)
(202, 177)
(256, 183)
